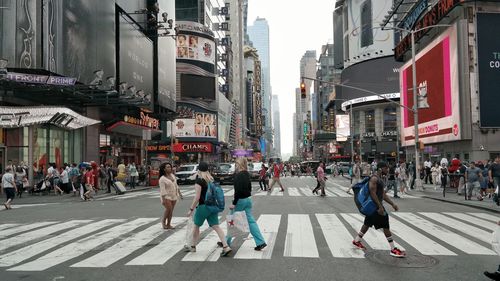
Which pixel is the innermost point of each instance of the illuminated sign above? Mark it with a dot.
(144, 120)
(192, 147)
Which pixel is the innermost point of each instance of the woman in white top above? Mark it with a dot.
(402, 178)
(169, 194)
(435, 173)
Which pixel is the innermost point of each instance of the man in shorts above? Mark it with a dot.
(473, 178)
(276, 171)
(380, 219)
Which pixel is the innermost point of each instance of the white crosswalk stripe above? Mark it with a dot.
(447, 236)
(489, 217)
(80, 247)
(116, 242)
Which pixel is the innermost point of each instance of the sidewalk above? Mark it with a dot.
(65, 198)
(451, 196)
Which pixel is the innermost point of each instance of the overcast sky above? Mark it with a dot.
(294, 27)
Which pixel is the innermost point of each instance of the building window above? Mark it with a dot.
(390, 119)
(366, 24)
(370, 121)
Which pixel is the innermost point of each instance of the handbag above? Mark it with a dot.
(188, 237)
(237, 223)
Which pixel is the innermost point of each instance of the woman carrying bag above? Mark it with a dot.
(169, 193)
(202, 213)
(243, 202)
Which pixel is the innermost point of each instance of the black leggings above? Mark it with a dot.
(263, 181)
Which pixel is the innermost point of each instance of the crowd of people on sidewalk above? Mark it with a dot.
(84, 180)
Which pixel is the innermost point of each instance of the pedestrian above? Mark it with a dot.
(428, 173)
(202, 213)
(134, 174)
(276, 177)
(73, 174)
(88, 183)
(444, 175)
(473, 178)
(122, 174)
(9, 187)
(169, 194)
(65, 179)
(402, 178)
(412, 168)
(356, 174)
(434, 175)
(103, 176)
(263, 178)
(320, 178)
(20, 178)
(243, 202)
(391, 180)
(380, 219)
(494, 174)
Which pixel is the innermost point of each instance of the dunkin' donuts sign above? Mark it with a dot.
(192, 147)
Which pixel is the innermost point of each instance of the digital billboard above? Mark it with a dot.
(488, 49)
(438, 92)
(136, 58)
(195, 48)
(342, 126)
(194, 123)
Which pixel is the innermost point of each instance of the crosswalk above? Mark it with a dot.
(333, 190)
(141, 241)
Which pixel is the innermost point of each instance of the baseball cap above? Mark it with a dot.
(203, 166)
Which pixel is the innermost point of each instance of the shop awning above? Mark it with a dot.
(22, 116)
(126, 128)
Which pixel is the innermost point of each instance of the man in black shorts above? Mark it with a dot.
(379, 219)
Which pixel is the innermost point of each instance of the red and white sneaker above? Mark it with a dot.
(359, 245)
(397, 253)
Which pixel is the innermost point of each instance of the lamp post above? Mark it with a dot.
(414, 88)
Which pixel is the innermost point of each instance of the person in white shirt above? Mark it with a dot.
(402, 178)
(65, 179)
(428, 175)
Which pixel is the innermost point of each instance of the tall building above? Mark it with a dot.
(307, 69)
(259, 36)
(276, 125)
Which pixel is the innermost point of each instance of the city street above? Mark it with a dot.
(308, 237)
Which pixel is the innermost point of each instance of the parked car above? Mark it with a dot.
(224, 173)
(254, 170)
(187, 174)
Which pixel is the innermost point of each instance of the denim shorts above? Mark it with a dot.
(202, 213)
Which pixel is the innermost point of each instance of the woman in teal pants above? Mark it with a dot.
(243, 202)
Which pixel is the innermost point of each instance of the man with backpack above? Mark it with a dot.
(369, 195)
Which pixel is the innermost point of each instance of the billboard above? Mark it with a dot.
(195, 48)
(136, 58)
(377, 75)
(194, 123)
(488, 47)
(438, 92)
(342, 125)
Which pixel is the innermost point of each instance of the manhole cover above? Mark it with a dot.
(411, 260)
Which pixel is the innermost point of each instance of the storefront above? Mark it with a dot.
(125, 140)
(194, 152)
(37, 136)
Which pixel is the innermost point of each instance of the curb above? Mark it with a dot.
(460, 203)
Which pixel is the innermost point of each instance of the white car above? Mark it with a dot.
(187, 173)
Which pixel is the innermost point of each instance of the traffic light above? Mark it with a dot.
(303, 90)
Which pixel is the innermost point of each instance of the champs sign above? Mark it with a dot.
(193, 147)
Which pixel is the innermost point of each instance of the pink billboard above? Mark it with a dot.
(437, 93)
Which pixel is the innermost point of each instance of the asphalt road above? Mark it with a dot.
(308, 237)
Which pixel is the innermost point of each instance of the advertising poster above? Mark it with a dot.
(489, 68)
(195, 48)
(342, 126)
(438, 92)
(193, 123)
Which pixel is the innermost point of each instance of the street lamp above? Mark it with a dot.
(415, 97)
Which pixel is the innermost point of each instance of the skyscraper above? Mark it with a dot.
(259, 36)
(276, 125)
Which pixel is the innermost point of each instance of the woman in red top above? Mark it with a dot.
(89, 183)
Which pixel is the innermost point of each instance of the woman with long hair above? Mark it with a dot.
(202, 213)
(169, 194)
(243, 202)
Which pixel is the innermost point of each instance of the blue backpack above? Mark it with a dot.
(362, 197)
(214, 199)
